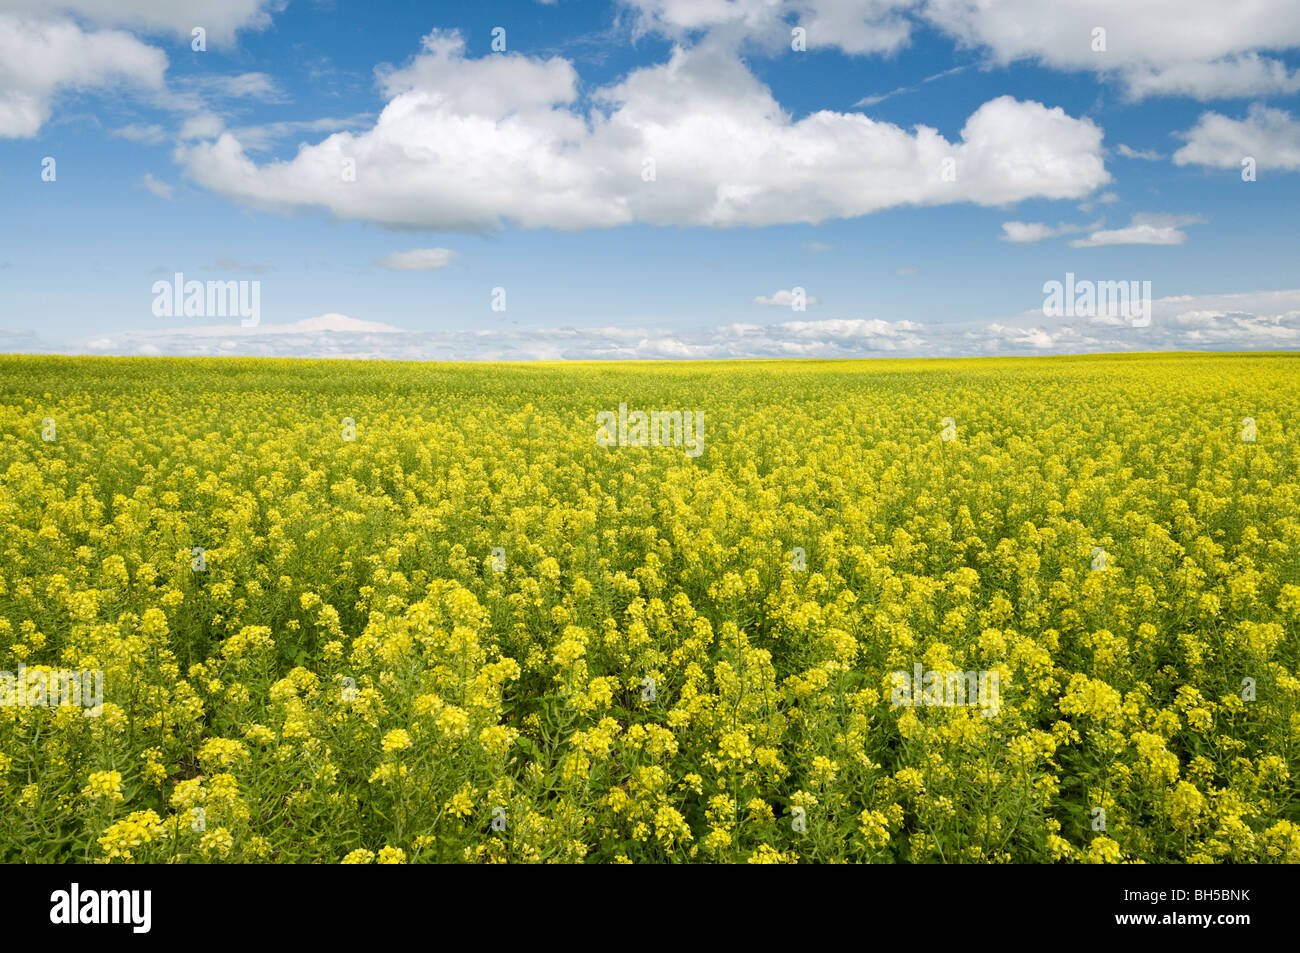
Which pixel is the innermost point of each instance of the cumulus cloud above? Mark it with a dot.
(419, 259)
(852, 26)
(468, 145)
(1232, 77)
(1144, 229)
(1158, 47)
(220, 20)
(1270, 136)
(54, 47)
(1191, 48)
(204, 125)
(40, 59)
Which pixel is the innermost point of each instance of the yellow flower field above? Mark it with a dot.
(399, 613)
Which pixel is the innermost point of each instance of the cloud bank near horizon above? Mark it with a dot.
(1238, 321)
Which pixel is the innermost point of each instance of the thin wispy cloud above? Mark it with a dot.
(160, 189)
(418, 259)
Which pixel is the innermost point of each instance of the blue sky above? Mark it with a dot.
(775, 169)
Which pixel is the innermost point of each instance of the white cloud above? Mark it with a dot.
(1129, 152)
(160, 189)
(1194, 48)
(151, 133)
(469, 144)
(1259, 320)
(258, 86)
(1270, 136)
(1200, 319)
(339, 336)
(194, 93)
(21, 341)
(1133, 235)
(1035, 338)
(493, 87)
(1026, 232)
(176, 337)
(816, 248)
(263, 136)
(1103, 198)
(851, 26)
(49, 47)
(204, 125)
(851, 330)
(220, 20)
(420, 259)
(1157, 47)
(1233, 77)
(1144, 229)
(783, 299)
(41, 59)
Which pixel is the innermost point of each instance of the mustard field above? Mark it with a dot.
(968, 611)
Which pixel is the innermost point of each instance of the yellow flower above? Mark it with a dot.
(461, 803)
(217, 843)
(217, 754)
(1185, 807)
(396, 740)
(453, 721)
(1102, 850)
(259, 734)
(136, 830)
(874, 828)
(104, 784)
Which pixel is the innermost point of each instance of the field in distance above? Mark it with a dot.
(1031, 610)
